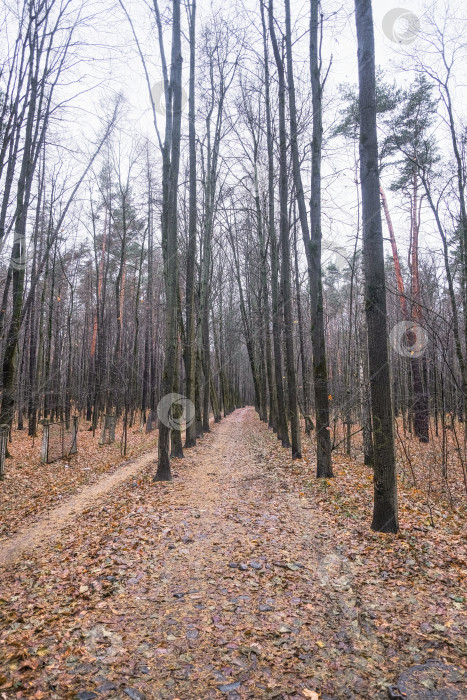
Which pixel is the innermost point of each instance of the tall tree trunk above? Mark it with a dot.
(320, 373)
(385, 516)
(264, 313)
(169, 223)
(420, 402)
(176, 449)
(301, 335)
(312, 240)
(421, 407)
(190, 346)
(281, 424)
(33, 339)
(285, 250)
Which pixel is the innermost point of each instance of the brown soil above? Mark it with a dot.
(234, 580)
(48, 528)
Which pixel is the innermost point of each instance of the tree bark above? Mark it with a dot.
(281, 423)
(169, 222)
(190, 346)
(285, 251)
(385, 516)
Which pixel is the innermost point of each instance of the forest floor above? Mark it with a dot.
(31, 488)
(243, 578)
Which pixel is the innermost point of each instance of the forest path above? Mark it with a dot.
(226, 582)
(48, 527)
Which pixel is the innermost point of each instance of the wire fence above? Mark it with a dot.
(108, 430)
(4, 433)
(59, 441)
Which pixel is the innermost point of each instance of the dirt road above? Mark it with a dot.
(227, 582)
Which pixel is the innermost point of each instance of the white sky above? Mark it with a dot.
(339, 41)
(111, 64)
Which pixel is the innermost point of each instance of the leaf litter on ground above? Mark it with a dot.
(138, 600)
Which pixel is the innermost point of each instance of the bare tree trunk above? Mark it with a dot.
(190, 347)
(285, 250)
(176, 449)
(301, 334)
(312, 240)
(385, 518)
(320, 373)
(281, 424)
(169, 223)
(265, 340)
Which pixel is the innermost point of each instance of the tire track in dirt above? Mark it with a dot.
(48, 527)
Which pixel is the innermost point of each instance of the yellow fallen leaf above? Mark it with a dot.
(310, 694)
(320, 644)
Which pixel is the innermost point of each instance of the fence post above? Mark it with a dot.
(149, 423)
(45, 443)
(112, 425)
(4, 432)
(108, 430)
(74, 436)
(102, 437)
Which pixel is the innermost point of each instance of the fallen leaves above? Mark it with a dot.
(30, 487)
(141, 600)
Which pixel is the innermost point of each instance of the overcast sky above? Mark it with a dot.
(111, 64)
